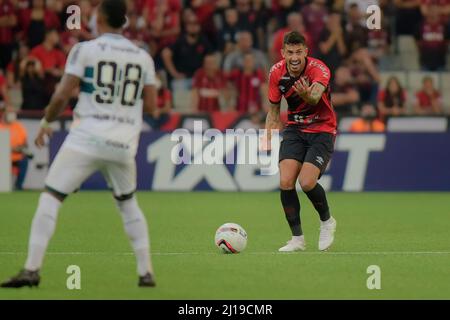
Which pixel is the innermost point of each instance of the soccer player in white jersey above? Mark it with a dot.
(116, 81)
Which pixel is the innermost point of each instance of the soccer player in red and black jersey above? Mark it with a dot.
(308, 137)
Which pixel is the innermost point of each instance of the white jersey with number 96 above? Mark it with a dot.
(108, 115)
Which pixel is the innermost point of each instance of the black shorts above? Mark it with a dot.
(315, 148)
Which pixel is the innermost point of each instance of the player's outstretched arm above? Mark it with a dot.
(57, 104)
(311, 94)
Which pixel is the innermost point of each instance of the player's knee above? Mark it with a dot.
(307, 183)
(287, 184)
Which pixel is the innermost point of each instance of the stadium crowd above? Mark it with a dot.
(220, 51)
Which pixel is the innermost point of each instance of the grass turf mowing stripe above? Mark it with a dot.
(252, 253)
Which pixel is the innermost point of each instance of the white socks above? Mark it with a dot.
(44, 223)
(42, 230)
(136, 228)
(298, 238)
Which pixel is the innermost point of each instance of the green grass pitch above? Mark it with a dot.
(405, 234)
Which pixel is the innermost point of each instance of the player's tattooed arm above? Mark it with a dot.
(317, 89)
(309, 93)
(273, 121)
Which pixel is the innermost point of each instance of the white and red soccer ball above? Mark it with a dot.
(231, 238)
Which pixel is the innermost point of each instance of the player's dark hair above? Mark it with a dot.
(293, 37)
(115, 12)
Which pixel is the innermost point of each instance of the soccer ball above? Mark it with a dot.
(231, 238)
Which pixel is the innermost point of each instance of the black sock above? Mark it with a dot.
(319, 201)
(291, 206)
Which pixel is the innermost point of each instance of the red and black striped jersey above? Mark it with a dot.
(305, 117)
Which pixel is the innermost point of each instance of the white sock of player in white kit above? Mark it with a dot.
(136, 228)
(42, 229)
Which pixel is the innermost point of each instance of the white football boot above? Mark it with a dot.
(295, 244)
(326, 237)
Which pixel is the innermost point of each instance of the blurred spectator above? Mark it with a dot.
(428, 100)
(71, 37)
(4, 96)
(13, 69)
(262, 20)
(58, 6)
(315, 16)
(22, 4)
(294, 23)
(250, 86)
(378, 44)
(336, 5)
(161, 114)
(360, 58)
(219, 12)
(87, 8)
(407, 16)
(443, 8)
(187, 14)
(140, 36)
(362, 6)
(361, 65)
(34, 96)
(432, 39)
(209, 86)
(235, 59)
(363, 59)
(392, 100)
(227, 35)
(36, 20)
(247, 17)
(92, 24)
(52, 60)
(344, 93)
(357, 33)
(19, 145)
(8, 21)
(368, 121)
(185, 56)
(282, 9)
(332, 47)
(163, 20)
(204, 10)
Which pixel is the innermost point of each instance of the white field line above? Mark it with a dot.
(337, 253)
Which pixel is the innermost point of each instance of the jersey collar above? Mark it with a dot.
(112, 35)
